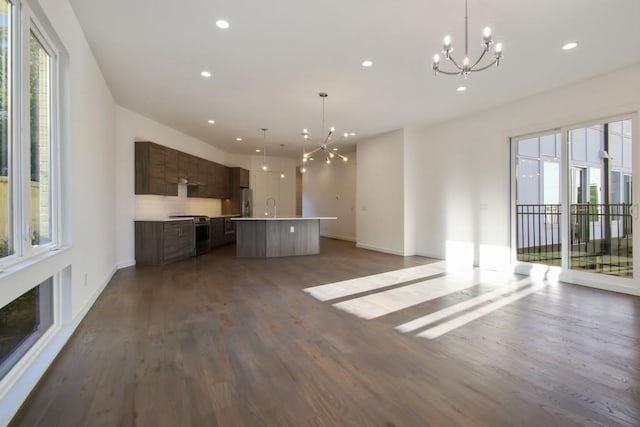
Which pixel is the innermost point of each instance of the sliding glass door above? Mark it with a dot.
(573, 199)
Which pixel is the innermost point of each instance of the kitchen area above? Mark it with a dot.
(198, 199)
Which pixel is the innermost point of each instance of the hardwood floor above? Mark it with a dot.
(221, 341)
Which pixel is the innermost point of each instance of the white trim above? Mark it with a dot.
(339, 237)
(379, 249)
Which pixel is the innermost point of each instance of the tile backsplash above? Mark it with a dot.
(157, 207)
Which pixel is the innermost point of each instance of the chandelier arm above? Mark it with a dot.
(340, 156)
(326, 155)
(450, 58)
(484, 52)
(326, 140)
(491, 64)
(450, 73)
(314, 151)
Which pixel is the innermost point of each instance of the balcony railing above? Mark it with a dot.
(601, 236)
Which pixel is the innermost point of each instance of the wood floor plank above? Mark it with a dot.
(223, 341)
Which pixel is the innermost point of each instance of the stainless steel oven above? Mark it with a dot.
(202, 231)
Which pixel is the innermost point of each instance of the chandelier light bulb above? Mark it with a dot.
(303, 170)
(498, 48)
(486, 33)
(304, 159)
(328, 161)
(447, 42)
(345, 159)
(282, 175)
(332, 155)
(264, 167)
(436, 58)
(466, 61)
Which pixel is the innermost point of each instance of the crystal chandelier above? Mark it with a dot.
(324, 145)
(467, 67)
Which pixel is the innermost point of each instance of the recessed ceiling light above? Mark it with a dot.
(346, 135)
(352, 134)
(211, 121)
(335, 149)
(367, 63)
(569, 46)
(222, 24)
(238, 139)
(461, 88)
(257, 150)
(206, 74)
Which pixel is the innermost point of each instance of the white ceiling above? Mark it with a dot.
(270, 65)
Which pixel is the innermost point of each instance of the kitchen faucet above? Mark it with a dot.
(275, 206)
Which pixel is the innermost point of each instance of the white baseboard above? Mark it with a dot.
(339, 237)
(125, 264)
(378, 249)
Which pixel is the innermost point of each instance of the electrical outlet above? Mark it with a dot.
(291, 229)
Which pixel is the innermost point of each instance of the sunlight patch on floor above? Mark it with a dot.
(376, 281)
(417, 285)
(392, 300)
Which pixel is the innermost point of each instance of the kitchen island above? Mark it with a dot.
(269, 237)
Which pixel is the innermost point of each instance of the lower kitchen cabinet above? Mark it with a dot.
(223, 231)
(161, 242)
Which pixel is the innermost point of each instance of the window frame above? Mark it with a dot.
(26, 23)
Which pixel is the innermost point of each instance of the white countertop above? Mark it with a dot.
(163, 219)
(281, 218)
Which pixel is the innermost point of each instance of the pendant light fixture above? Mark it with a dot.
(282, 161)
(324, 144)
(264, 149)
(467, 68)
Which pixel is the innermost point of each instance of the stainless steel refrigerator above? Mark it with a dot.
(246, 206)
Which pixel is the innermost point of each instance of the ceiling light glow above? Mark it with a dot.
(569, 46)
(461, 88)
(211, 121)
(367, 63)
(206, 74)
(222, 24)
(239, 139)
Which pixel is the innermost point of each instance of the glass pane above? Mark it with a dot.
(538, 201)
(6, 217)
(601, 239)
(22, 322)
(40, 122)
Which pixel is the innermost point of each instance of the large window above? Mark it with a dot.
(29, 187)
(27, 162)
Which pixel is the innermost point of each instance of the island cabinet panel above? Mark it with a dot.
(277, 238)
(303, 240)
(149, 168)
(251, 240)
(161, 242)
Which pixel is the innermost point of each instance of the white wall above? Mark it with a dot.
(269, 184)
(330, 190)
(380, 193)
(462, 166)
(88, 194)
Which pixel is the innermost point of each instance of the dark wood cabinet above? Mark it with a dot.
(171, 172)
(243, 177)
(223, 231)
(159, 170)
(161, 242)
(149, 168)
(239, 178)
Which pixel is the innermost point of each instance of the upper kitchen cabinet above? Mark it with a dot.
(171, 172)
(241, 176)
(221, 181)
(149, 168)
